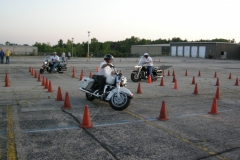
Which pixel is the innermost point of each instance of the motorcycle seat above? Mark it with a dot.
(95, 77)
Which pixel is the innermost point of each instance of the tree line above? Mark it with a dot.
(117, 49)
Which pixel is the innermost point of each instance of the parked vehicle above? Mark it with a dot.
(141, 72)
(60, 68)
(114, 92)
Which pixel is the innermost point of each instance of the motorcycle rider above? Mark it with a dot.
(105, 71)
(149, 64)
(55, 60)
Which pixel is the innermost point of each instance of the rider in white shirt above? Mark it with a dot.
(105, 71)
(55, 60)
(149, 63)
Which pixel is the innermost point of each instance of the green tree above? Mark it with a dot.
(60, 43)
(94, 45)
(105, 47)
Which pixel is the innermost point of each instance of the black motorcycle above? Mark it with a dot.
(48, 65)
(141, 72)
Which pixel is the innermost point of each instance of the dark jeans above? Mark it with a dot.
(150, 71)
(102, 80)
(2, 59)
(7, 59)
(54, 65)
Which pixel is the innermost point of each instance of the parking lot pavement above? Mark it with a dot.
(34, 125)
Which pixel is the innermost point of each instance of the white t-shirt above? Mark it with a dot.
(63, 54)
(54, 58)
(107, 71)
(149, 61)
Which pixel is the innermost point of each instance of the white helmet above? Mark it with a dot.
(146, 54)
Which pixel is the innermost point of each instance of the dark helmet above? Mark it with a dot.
(108, 57)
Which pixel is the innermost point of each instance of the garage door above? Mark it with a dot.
(173, 50)
(180, 51)
(194, 51)
(186, 51)
(202, 51)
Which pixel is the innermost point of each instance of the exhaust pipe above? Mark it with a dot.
(89, 92)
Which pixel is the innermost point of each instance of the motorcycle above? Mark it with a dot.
(48, 65)
(114, 92)
(141, 71)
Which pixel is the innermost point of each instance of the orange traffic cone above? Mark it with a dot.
(90, 75)
(186, 73)
(230, 76)
(73, 72)
(162, 82)
(236, 83)
(59, 95)
(163, 113)
(6, 77)
(175, 85)
(35, 75)
(173, 73)
(7, 84)
(46, 83)
(199, 74)
(81, 76)
(32, 72)
(50, 87)
(39, 77)
(139, 90)
(217, 82)
(149, 79)
(214, 109)
(86, 121)
(168, 73)
(193, 80)
(43, 81)
(195, 89)
(215, 75)
(66, 102)
(217, 95)
(174, 79)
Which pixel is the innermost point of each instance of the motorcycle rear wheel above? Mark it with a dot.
(134, 77)
(121, 103)
(90, 97)
(154, 78)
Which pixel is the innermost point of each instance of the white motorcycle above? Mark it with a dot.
(114, 92)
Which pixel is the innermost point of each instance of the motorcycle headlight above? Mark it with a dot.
(137, 67)
(123, 81)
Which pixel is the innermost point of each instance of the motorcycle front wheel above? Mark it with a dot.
(41, 71)
(134, 77)
(120, 103)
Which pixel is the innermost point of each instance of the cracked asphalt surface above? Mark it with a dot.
(34, 126)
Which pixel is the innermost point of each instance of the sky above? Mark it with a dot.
(48, 21)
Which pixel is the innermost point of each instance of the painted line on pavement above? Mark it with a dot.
(11, 150)
(176, 135)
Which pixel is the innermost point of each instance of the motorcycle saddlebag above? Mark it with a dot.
(86, 83)
(158, 72)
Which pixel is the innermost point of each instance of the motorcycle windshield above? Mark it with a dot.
(141, 61)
